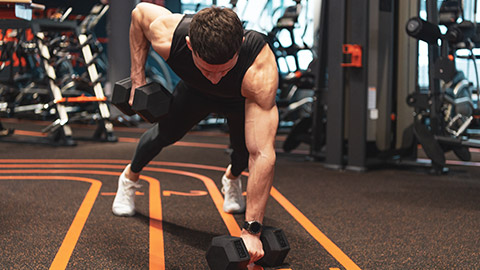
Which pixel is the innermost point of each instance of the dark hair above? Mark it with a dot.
(216, 34)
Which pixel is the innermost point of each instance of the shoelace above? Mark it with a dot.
(131, 187)
(233, 189)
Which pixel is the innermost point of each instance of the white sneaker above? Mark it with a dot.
(234, 201)
(124, 202)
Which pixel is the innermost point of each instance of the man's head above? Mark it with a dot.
(215, 35)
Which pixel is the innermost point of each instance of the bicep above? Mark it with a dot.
(261, 114)
(261, 124)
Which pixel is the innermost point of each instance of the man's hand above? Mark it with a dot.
(132, 91)
(254, 246)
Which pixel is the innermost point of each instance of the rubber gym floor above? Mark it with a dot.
(56, 208)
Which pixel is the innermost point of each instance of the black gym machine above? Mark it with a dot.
(359, 117)
(369, 110)
(446, 115)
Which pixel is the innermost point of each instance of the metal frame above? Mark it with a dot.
(336, 93)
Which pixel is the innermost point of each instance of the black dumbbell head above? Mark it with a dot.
(227, 253)
(152, 101)
(121, 95)
(275, 245)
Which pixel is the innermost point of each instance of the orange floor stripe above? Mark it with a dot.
(336, 252)
(73, 233)
(114, 193)
(321, 238)
(217, 197)
(229, 220)
(156, 253)
(205, 145)
(192, 193)
(181, 143)
(215, 194)
(29, 133)
(232, 225)
(174, 164)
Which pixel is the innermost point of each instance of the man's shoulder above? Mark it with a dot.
(262, 76)
(170, 21)
(162, 31)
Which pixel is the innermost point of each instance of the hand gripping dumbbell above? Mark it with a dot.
(151, 101)
(229, 252)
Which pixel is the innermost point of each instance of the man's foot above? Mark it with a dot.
(124, 202)
(234, 201)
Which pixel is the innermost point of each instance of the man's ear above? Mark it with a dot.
(189, 45)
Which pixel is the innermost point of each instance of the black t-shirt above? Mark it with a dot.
(229, 87)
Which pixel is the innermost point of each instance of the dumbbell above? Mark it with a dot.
(151, 101)
(229, 252)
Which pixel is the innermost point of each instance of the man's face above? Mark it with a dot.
(214, 73)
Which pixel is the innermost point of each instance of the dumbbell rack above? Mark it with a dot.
(60, 131)
(60, 126)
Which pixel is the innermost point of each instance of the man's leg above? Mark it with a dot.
(186, 110)
(232, 183)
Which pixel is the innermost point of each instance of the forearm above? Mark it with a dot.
(260, 180)
(139, 47)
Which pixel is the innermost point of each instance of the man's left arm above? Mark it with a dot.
(261, 122)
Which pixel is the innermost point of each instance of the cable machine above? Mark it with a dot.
(360, 114)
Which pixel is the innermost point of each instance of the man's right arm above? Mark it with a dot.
(151, 25)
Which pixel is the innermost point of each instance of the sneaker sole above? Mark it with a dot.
(123, 214)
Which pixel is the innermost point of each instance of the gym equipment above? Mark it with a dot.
(229, 252)
(275, 245)
(151, 101)
(121, 95)
(446, 113)
(45, 84)
(300, 132)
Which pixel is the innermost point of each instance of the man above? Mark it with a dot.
(226, 70)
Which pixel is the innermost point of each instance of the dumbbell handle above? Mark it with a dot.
(121, 96)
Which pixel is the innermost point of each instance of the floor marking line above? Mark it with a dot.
(156, 254)
(228, 219)
(176, 164)
(181, 143)
(73, 234)
(115, 193)
(29, 133)
(157, 249)
(328, 244)
(217, 197)
(321, 238)
(192, 193)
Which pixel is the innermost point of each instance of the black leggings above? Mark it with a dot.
(188, 108)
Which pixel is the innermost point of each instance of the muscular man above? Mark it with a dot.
(223, 69)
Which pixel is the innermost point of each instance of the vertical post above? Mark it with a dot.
(434, 83)
(336, 94)
(119, 16)
(406, 77)
(318, 130)
(358, 81)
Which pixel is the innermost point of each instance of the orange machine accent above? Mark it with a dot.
(356, 55)
(80, 99)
